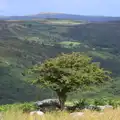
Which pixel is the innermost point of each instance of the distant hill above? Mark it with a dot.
(61, 16)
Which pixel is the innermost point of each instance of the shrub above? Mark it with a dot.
(25, 107)
(81, 103)
(102, 101)
(114, 103)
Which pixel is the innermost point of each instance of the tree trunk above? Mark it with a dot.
(62, 99)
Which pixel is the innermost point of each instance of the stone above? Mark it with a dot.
(40, 113)
(32, 113)
(48, 102)
(76, 114)
(99, 108)
(109, 106)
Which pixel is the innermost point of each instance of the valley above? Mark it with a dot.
(25, 43)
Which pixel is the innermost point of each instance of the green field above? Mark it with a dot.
(69, 44)
(63, 22)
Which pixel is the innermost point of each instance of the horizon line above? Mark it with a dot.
(53, 13)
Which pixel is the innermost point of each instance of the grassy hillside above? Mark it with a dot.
(26, 43)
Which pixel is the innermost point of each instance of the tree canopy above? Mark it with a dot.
(68, 72)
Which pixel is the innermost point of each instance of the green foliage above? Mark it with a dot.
(68, 72)
(24, 107)
(114, 103)
(101, 101)
(27, 107)
(82, 103)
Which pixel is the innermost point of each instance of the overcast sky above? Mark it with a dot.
(82, 7)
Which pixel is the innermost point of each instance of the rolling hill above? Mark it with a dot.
(26, 43)
(61, 16)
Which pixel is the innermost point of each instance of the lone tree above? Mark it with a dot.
(68, 72)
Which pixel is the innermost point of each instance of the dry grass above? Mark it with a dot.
(89, 115)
